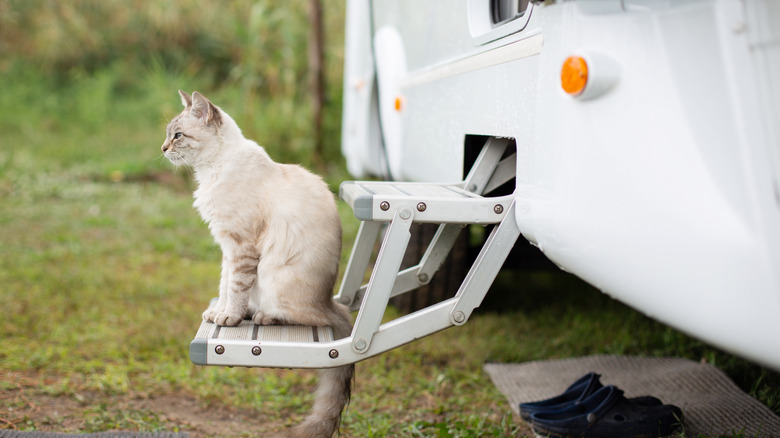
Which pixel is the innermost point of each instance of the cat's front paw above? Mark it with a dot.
(210, 315)
(228, 319)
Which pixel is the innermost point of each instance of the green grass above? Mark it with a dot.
(105, 266)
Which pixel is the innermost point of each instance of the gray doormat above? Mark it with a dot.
(18, 434)
(712, 404)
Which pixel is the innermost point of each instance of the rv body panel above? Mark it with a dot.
(659, 185)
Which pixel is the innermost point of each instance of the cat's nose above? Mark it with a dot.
(165, 147)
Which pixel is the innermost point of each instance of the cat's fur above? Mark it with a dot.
(280, 235)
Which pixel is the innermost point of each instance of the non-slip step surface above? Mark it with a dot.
(394, 189)
(249, 331)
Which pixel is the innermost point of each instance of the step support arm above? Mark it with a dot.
(388, 262)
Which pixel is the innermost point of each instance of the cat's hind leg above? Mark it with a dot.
(291, 297)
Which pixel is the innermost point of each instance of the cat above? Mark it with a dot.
(280, 235)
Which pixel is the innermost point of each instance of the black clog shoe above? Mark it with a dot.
(607, 413)
(576, 392)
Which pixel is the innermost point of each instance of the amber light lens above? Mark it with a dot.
(574, 75)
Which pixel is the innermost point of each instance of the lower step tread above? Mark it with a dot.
(249, 331)
(212, 334)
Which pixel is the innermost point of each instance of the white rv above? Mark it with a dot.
(646, 139)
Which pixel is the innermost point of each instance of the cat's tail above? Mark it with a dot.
(333, 394)
(334, 389)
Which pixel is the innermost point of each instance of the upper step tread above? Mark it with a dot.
(431, 202)
(412, 189)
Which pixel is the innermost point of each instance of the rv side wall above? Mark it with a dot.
(658, 184)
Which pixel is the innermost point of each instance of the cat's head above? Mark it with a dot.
(195, 132)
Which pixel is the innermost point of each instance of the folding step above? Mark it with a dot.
(373, 201)
(235, 346)
(394, 205)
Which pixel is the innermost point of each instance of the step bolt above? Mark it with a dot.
(384, 205)
(256, 350)
(333, 353)
(219, 349)
(423, 278)
(421, 206)
(498, 209)
(459, 316)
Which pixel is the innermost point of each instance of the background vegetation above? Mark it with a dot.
(105, 267)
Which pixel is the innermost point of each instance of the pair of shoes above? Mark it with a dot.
(582, 388)
(589, 409)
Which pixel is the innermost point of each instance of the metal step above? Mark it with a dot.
(243, 344)
(379, 201)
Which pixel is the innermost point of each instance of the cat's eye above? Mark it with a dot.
(177, 135)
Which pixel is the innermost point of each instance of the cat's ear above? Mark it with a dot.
(204, 110)
(186, 100)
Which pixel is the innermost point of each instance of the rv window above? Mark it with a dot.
(503, 11)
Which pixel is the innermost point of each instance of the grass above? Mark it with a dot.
(105, 266)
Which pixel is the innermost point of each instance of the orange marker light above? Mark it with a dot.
(399, 103)
(574, 75)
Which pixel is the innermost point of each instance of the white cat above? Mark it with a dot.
(280, 235)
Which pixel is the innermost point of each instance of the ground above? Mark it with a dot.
(25, 405)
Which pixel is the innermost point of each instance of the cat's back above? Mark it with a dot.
(300, 184)
(304, 217)
(278, 192)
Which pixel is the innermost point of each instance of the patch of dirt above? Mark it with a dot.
(201, 421)
(23, 405)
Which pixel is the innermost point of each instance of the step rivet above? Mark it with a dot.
(459, 316)
(421, 206)
(360, 344)
(256, 350)
(498, 209)
(384, 205)
(333, 353)
(219, 349)
(405, 214)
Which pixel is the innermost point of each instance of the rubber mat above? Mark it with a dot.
(712, 404)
